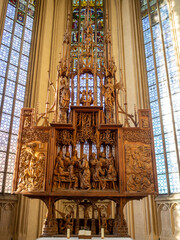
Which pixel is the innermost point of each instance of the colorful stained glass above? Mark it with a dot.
(99, 13)
(74, 37)
(100, 37)
(13, 2)
(83, 3)
(153, 7)
(31, 10)
(100, 24)
(145, 11)
(75, 3)
(20, 16)
(75, 24)
(99, 2)
(143, 2)
(154, 18)
(33, 2)
(22, 5)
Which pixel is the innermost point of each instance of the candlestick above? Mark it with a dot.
(102, 233)
(68, 233)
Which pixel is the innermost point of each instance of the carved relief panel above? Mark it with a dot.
(31, 155)
(139, 172)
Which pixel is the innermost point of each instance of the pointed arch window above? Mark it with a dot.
(164, 91)
(14, 61)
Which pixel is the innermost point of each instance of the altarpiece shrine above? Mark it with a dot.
(79, 149)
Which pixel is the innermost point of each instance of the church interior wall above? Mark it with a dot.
(147, 219)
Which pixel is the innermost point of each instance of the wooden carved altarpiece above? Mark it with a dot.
(85, 154)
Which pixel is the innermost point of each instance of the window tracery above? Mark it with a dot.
(164, 91)
(14, 61)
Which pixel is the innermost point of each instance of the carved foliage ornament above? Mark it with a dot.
(64, 137)
(107, 137)
(137, 136)
(34, 134)
(86, 127)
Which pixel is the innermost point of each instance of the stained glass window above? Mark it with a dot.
(14, 60)
(97, 23)
(164, 91)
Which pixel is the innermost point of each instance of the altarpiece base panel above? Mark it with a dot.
(85, 155)
(76, 238)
